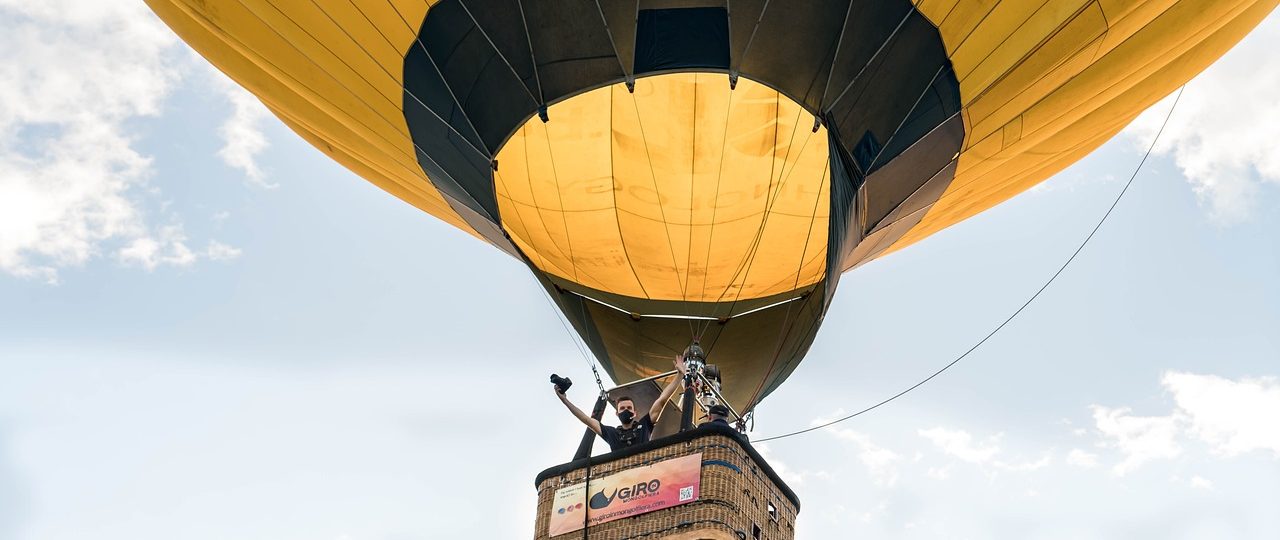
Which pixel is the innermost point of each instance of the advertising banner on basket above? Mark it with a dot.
(626, 494)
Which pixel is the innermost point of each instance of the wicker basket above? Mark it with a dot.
(740, 498)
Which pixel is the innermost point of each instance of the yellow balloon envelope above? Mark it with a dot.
(679, 169)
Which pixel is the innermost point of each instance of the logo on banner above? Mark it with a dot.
(626, 494)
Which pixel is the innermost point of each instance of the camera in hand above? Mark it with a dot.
(562, 383)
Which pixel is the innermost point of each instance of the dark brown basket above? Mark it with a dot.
(735, 500)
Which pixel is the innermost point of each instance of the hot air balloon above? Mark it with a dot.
(679, 169)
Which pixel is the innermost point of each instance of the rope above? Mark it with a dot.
(582, 348)
(1024, 304)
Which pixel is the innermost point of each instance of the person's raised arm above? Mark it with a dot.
(584, 417)
(655, 410)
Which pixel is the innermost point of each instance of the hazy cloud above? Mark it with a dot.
(1201, 482)
(242, 136)
(218, 251)
(880, 462)
(960, 444)
(1139, 438)
(786, 473)
(1082, 459)
(1234, 417)
(76, 74)
(168, 247)
(1223, 134)
(1027, 466)
(1231, 416)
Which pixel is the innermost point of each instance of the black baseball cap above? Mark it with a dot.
(719, 410)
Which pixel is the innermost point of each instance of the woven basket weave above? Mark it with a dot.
(734, 501)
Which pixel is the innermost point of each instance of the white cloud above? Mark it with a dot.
(1233, 416)
(80, 70)
(218, 251)
(1201, 482)
(880, 462)
(1223, 134)
(1139, 438)
(1195, 482)
(784, 471)
(242, 136)
(1027, 466)
(960, 444)
(167, 248)
(1082, 459)
(73, 183)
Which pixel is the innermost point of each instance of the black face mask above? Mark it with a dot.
(626, 416)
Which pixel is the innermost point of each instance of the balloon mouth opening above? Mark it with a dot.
(683, 190)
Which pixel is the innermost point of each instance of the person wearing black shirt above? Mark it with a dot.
(718, 414)
(633, 430)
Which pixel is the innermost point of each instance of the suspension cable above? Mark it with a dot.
(583, 349)
(1024, 304)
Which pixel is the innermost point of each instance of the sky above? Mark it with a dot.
(209, 331)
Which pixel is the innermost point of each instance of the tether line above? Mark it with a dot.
(1020, 308)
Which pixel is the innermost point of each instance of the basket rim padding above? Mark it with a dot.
(678, 438)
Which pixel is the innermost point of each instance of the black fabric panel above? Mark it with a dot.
(934, 108)
(638, 348)
(674, 39)
(892, 110)
(492, 95)
(451, 166)
(805, 319)
(621, 18)
(571, 47)
(869, 26)
(681, 4)
(487, 229)
(743, 15)
(887, 92)
(793, 46)
(675, 307)
(890, 186)
(923, 198)
(500, 20)
(866, 150)
(755, 351)
(844, 231)
(450, 161)
(875, 243)
(440, 74)
(492, 111)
